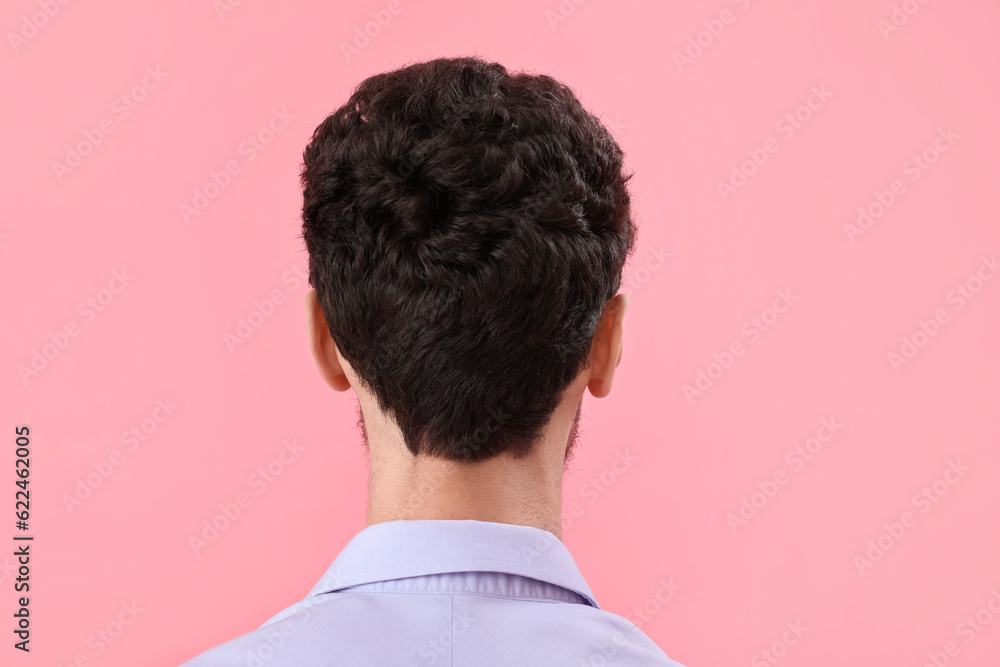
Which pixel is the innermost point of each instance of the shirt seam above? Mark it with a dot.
(460, 561)
(475, 594)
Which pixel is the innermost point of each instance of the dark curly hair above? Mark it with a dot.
(465, 228)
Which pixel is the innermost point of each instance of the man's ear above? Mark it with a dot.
(323, 347)
(607, 346)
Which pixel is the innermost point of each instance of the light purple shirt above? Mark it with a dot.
(445, 593)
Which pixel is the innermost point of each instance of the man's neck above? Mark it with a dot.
(525, 491)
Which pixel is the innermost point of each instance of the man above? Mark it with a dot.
(466, 229)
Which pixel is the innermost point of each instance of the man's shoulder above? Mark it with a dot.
(376, 629)
(603, 638)
(277, 643)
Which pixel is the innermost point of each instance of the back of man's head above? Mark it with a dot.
(465, 227)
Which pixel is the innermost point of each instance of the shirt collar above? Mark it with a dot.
(405, 548)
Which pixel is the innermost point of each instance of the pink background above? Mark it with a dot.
(664, 517)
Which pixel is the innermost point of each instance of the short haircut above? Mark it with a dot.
(465, 228)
